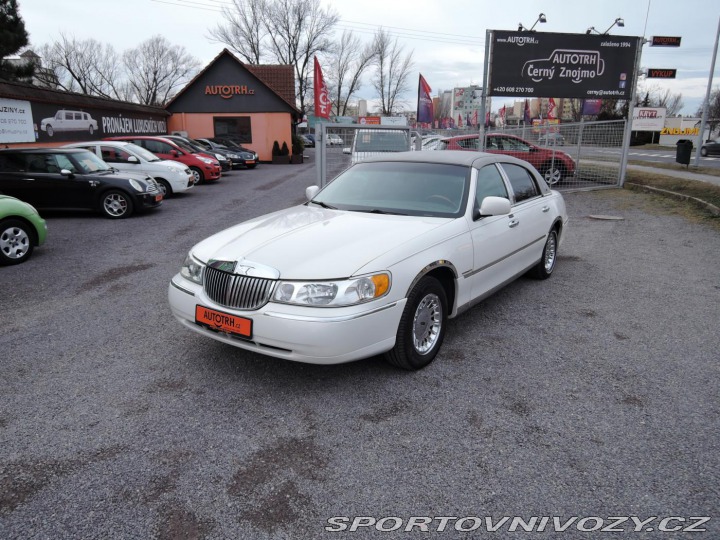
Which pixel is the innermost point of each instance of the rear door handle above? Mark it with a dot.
(513, 223)
(545, 208)
(28, 179)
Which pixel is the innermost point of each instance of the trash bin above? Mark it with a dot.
(683, 151)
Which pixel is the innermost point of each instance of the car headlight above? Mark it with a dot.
(219, 157)
(247, 155)
(192, 269)
(206, 160)
(137, 186)
(335, 293)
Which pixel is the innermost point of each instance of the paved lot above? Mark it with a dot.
(593, 394)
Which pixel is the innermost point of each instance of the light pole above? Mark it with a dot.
(541, 19)
(706, 103)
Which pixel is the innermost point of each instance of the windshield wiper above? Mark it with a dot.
(378, 211)
(324, 205)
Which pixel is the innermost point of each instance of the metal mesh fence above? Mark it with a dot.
(583, 155)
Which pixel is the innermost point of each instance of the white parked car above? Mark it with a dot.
(171, 176)
(69, 121)
(333, 139)
(376, 262)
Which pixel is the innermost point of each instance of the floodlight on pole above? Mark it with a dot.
(541, 19)
(619, 21)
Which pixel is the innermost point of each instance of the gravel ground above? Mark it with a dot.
(593, 394)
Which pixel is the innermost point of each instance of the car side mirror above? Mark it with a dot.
(67, 172)
(311, 191)
(133, 159)
(493, 206)
(174, 153)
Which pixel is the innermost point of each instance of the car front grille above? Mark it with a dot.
(237, 292)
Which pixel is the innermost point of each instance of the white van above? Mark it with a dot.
(171, 176)
(369, 142)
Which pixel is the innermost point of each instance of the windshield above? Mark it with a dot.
(141, 152)
(187, 146)
(415, 189)
(87, 162)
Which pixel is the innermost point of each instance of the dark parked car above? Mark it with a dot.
(308, 140)
(234, 145)
(60, 178)
(710, 147)
(240, 157)
(194, 146)
(554, 165)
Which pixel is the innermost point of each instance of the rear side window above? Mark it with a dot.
(10, 162)
(522, 182)
(468, 144)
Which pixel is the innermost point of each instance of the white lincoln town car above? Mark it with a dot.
(375, 262)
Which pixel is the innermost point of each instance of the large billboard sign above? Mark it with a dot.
(544, 64)
(16, 121)
(648, 118)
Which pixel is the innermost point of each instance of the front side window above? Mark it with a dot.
(114, 155)
(514, 145)
(489, 184)
(522, 182)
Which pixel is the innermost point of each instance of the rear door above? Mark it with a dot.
(15, 179)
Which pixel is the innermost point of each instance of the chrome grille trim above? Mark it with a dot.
(237, 292)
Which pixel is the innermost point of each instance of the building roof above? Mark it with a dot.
(280, 79)
(24, 91)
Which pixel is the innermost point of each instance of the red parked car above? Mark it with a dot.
(204, 168)
(554, 165)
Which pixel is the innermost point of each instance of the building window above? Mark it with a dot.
(236, 128)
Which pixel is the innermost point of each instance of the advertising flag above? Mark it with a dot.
(526, 113)
(425, 111)
(502, 114)
(322, 96)
(551, 109)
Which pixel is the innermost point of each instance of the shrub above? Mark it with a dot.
(284, 151)
(276, 149)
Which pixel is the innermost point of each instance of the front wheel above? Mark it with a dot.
(422, 326)
(553, 173)
(91, 130)
(197, 175)
(164, 186)
(703, 152)
(49, 130)
(544, 268)
(116, 204)
(16, 242)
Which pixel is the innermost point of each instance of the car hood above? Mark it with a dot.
(306, 242)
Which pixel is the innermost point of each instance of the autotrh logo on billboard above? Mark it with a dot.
(575, 65)
(561, 65)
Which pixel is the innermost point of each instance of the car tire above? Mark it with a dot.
(49, 130)
(91, 130)
(703, 152)
(17, 240)
(422, 326)
(198, 174)
(553, 174)
(116, 204)
(165, 187)
(545, 266)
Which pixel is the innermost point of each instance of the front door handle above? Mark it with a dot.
(513, 223)
(28, 179)
(545, 208)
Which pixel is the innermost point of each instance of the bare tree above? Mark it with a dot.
(85, 66)
(348, 61)
(289, 32)
(656, 96)
(156, 69)
(245, 29)
(391, 71)
(713, 109)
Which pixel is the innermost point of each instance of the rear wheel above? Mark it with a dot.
(49, 130)
(553, 173)
(16, 241)
(544, 268)
(703, 152)
(422, 326)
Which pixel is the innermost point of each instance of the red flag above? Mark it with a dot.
(502, 113)
(322, 96)
(459, 124)
(526, 113)
(551, 109)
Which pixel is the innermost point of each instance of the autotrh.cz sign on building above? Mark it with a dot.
(568, 65)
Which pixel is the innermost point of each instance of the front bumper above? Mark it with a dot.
(146, 201)
(298, 333)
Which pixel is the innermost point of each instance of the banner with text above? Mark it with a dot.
(544, 64)
(16, 122)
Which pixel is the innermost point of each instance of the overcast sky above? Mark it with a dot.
(447, 39)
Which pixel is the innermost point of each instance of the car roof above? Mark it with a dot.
(450, 157)
(108, 142)
(42, 150)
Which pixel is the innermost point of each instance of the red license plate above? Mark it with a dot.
(223, 322)
(249, 161)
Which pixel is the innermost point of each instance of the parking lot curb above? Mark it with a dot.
(714, 210)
